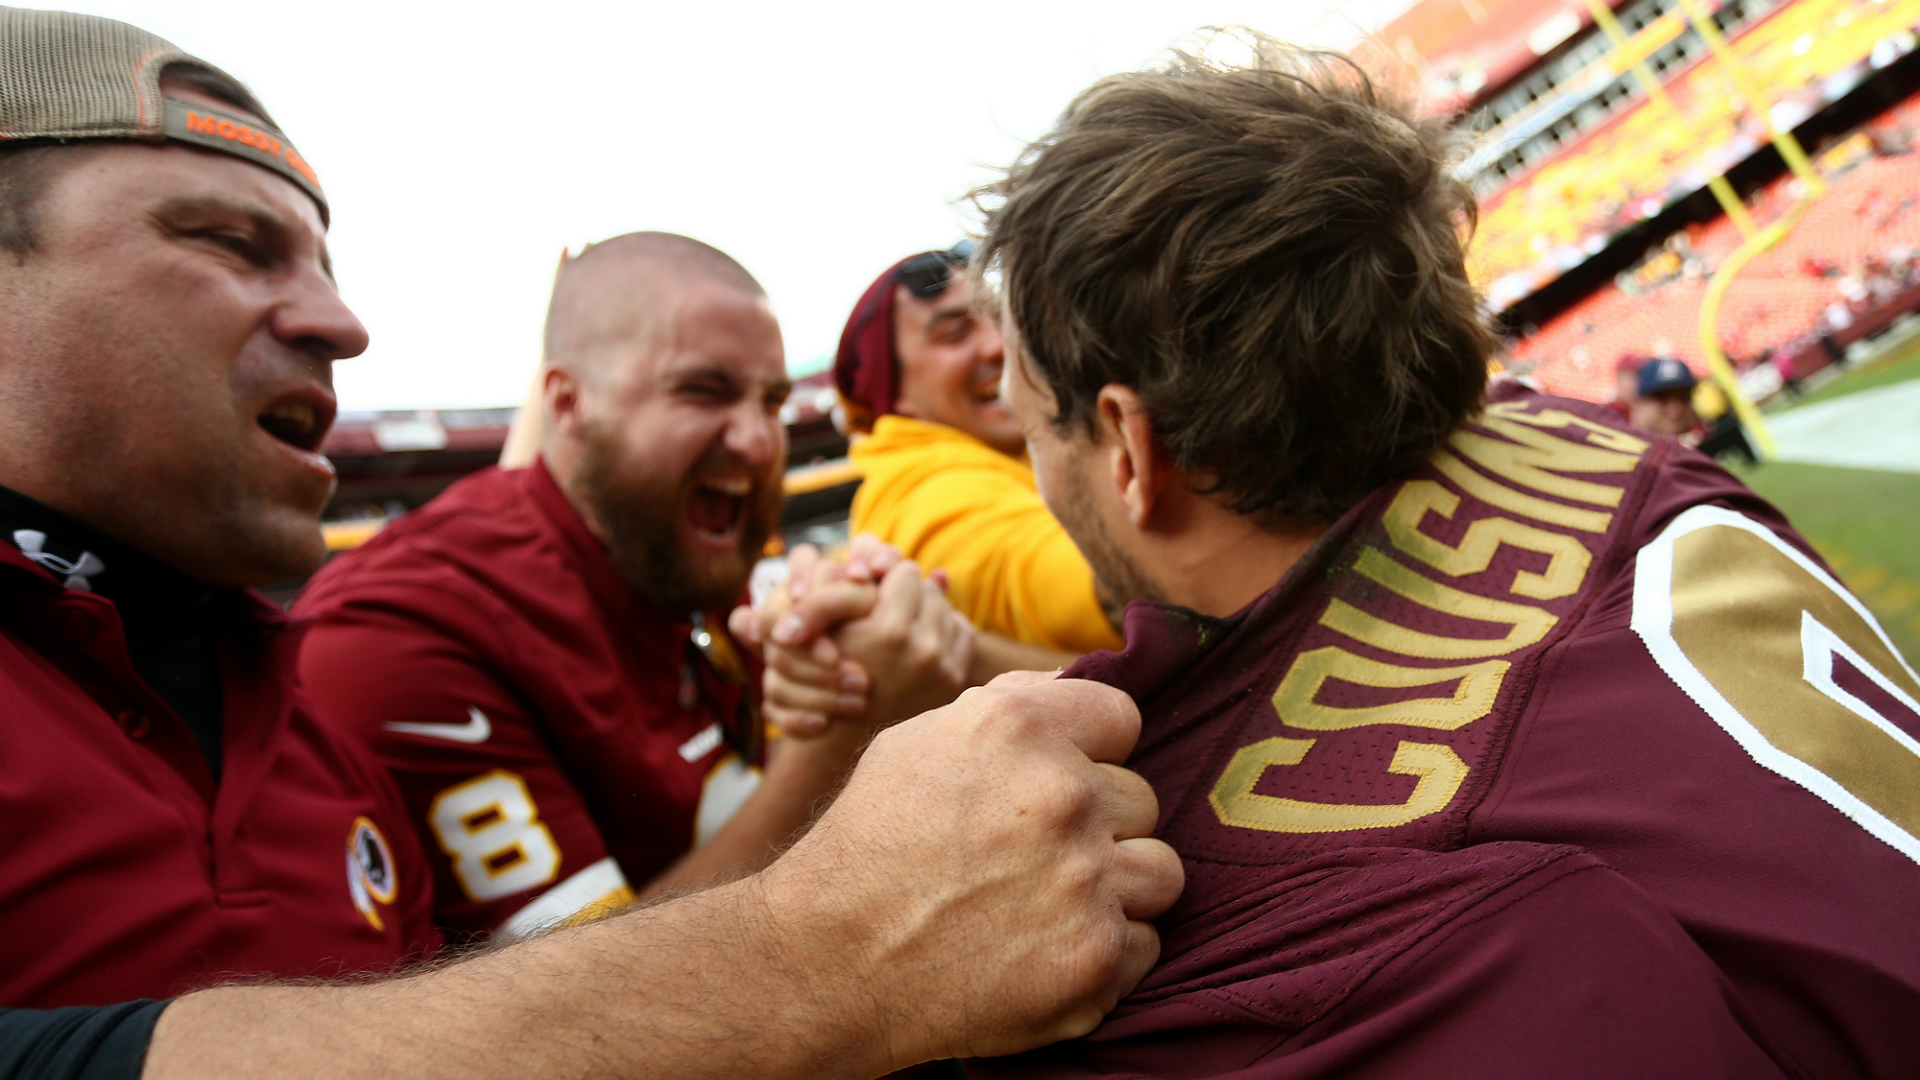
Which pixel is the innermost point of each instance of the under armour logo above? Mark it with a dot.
(77, 571)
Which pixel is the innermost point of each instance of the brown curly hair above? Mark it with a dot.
(1272, 257)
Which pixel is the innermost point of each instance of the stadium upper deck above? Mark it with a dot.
(1583, 172)
(1847, 265)
(1561, 178)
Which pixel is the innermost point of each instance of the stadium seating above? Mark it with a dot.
(1632, 165)
(1869, 216)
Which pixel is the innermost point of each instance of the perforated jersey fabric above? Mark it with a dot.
(1562, 755)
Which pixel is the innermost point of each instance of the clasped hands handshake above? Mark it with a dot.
(1026, 845)
(854, 645)
(981, 884)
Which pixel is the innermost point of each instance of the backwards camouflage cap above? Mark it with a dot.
(66, 76)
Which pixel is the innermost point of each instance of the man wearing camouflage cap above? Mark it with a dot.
(179, 812)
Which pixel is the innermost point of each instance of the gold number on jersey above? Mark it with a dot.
(496, 839)
(1750, 629)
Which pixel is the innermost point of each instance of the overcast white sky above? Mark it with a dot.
(464, 145)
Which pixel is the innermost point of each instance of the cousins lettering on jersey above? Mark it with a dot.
(1470, 566)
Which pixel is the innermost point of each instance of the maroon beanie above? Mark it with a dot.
(865, 370)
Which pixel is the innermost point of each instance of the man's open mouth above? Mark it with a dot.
(298, 423)
(987, 390)
(718, 506)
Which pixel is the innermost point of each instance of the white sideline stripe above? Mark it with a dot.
(565, 900)
(1653, 621)
(1871, 429)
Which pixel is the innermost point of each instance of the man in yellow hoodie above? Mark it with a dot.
(945, 474)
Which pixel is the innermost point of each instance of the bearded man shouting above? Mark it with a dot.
(534, 654)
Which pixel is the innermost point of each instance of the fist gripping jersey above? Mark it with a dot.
(1562, 755)
(558, 741)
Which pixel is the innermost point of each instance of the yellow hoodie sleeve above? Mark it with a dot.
(949, 501)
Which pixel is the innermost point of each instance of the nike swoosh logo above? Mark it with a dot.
(477, 729)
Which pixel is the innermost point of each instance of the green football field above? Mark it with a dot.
(1862, 521)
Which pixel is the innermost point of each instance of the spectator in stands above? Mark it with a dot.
(1834, 321)
(945, 474)
(178, 808)
(1856, 287)
(1785, 361)
(1626, 384)
(1900, 259)
(1663, 399)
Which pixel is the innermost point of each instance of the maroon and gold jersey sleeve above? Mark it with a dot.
(1502, 960)
(1560, 631)
(512, 842)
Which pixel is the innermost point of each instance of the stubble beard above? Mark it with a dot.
(640, 511)
(1117, 579)
(196, 503)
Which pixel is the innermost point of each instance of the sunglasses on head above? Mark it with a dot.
(929, 273)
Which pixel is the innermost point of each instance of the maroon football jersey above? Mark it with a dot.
(129, 872)
(558, 741)
(1559, 636)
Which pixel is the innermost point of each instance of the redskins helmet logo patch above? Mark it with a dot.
(370, 873)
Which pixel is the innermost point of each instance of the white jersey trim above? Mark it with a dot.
(1653, 621)
(598, 882)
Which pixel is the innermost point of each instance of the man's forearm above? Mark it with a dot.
(995, 655)
(799, 779)
(707, 985)
(980, 886)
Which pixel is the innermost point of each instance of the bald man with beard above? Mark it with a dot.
(538, 655)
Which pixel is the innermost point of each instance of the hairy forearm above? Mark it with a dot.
(980, 886)
(798, 781)
(995, 655)
(707, 985)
